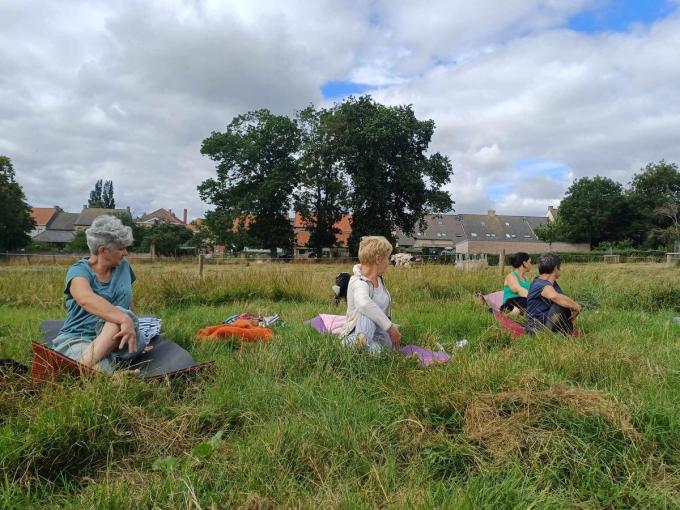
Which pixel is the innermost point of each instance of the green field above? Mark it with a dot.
(543, 422)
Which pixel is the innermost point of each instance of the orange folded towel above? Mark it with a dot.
(240, 328)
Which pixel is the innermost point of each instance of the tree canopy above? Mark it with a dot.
(166, 238)
(16, 221)
(394, 183)
(102, 195)
(257, 172)
(321, 198)
(594, 210)
(653, 193)
(358, 157)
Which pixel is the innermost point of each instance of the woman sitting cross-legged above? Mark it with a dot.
(516, 285)
(101, 326)
(369, 303)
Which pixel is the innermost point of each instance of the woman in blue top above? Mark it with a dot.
(100, 324)
(516, 285)
(548, 308)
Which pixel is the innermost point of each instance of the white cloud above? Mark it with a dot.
(604, 104)
(128, 90)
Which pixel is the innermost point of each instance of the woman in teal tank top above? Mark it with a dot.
(516, 285)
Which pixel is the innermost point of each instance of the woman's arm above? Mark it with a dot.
(365, 305)
(550, 293)
(96, 305)
(512, 282)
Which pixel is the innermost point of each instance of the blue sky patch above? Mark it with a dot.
(555, 170)
(340, 89)
(620, 15)
(497, 192)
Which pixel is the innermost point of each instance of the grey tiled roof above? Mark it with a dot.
(87, 216)
(442, 228)
(55, 236)
(483, 227)
(457, 228)
(63, 221)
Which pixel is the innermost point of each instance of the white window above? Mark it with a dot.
(507, 235)
(488, 235)
(473, 234)
(527, 235)
(514, 235)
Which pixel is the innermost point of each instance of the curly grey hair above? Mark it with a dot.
(107, 231)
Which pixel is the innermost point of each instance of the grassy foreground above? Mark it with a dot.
(542, 422)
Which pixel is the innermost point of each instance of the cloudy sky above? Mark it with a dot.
(527, 95)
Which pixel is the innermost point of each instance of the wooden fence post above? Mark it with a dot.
(501, 262)
(200, 266)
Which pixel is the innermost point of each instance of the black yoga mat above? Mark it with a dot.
(166, 357)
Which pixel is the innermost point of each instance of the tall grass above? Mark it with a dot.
(542, 422)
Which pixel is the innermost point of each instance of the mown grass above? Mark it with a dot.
(543, 422)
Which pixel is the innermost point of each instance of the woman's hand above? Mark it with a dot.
(127, 335)
(395, 336)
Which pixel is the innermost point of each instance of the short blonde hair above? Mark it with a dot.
(372, 247)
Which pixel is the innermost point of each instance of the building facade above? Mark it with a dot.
(483, 233)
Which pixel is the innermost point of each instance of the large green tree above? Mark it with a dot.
(15, 214)
(223, 228)
(321, 198)
(166, 238)
(595, 210)
(257, 171)
(653, 192)
(394, 183)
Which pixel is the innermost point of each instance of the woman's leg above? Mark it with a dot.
(367, 334)
(559, 320)
(101, 346)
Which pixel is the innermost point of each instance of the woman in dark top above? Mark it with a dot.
(547, 306)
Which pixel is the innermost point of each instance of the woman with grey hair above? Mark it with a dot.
(101, 324)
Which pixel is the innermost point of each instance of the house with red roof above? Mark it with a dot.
(162, 216)
(42, 217)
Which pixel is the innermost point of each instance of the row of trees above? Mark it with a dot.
(358, 157)
(602, 212)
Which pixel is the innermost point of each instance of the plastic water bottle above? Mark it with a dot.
(461, 343)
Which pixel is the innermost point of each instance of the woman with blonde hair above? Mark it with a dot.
(369, 304)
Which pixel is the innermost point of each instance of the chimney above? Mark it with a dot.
(491, 212)
(185, 216)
